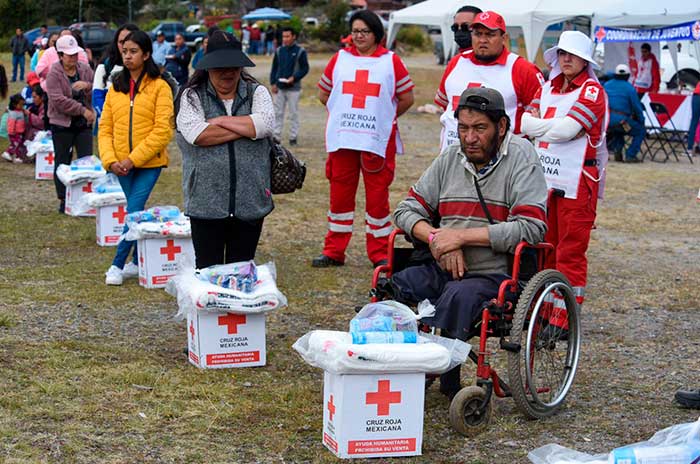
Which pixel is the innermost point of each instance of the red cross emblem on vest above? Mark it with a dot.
(455, 99)
(170, 249)
(549, 114)
(87, 188)
(232, 321)
(361, 88)
(331, 408)
(119, 214)
(383, 397)
(192, 329)
(49, 158)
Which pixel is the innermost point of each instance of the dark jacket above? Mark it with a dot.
(289, 61)
(19, 45)
(178, 65)
(230, 179)
(623, 99)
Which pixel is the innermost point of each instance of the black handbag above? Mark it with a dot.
(287, 173)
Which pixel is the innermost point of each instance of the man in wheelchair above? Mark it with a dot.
(490, 194)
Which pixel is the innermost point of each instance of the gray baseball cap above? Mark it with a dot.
(482, 99)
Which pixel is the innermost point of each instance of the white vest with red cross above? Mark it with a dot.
(362, 103)
(467, 74)
(643, 79)
(562, 162)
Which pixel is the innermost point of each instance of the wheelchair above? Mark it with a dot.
(541, 363)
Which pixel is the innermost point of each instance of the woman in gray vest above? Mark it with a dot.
(224, 118)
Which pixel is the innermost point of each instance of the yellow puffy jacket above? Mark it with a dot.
(141, 132)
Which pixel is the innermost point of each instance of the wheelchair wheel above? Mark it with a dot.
(543, 370)
(465, 416)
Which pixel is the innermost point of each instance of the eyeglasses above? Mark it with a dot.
(364, 32)
(464, 27)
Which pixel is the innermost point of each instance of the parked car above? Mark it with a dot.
(171, 28)
(96, 36)
(33, 35)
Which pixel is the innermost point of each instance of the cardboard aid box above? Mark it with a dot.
(373, 415)
(43, 169)
(159, 259)
(109, 224)
(74, 193)
(217, 340)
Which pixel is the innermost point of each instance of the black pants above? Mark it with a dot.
(64, 139)
(223, 241)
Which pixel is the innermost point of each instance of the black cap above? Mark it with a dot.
(482, 99)
(224, 50)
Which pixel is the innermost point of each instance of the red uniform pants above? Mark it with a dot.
(343, 171)
(569, 224)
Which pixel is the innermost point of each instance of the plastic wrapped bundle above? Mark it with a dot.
(388, 322)
(155, 214)
(86, 163)
(88, 169)
(195, 295)
(240, 276)
(41, 143)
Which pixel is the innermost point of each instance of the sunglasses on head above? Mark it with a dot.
(464, 27)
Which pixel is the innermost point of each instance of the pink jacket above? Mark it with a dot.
(49, 57)
(62, 107)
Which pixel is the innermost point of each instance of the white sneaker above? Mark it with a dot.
(130, 270)
(17, 161)
(113, 276)
(6, 156)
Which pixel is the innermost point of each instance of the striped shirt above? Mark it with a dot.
(514, 191)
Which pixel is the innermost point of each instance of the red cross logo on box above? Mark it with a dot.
(455, 99)
(119, 214)
(383, 397)
(232, 321)
(87, 188)
(192, 329)
(49, 158)
(549, 114)
(331, 408)
(361, 88)
(170, 250)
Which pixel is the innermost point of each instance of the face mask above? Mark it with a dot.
(463, 39)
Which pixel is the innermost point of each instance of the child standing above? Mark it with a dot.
(16, 125)
(36, 118)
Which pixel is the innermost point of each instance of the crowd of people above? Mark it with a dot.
(521, 158)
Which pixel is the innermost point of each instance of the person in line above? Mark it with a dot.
(16, 126)
(626, 115)
(648, 78)
(69, 88)
(135, 128)
(81, 43)
(693, 140)
(177, 61)
(32, 80)
(490, 64)
(470, 256)
(462, 26)
(40, 49)
(110, 65)
(19, 46)
(289, 66)
(200, 53)
(37, 113)
(568, 120)
(224, 118)
(365, 89)
(50, 57)
(161, 47)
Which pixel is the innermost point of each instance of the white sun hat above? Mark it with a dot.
(574, 42)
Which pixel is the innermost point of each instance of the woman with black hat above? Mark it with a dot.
(224, 117)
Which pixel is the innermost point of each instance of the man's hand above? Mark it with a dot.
(290, 80)
(446, 240)
(534, 112)
(89, 116)
(453, 263)
(273, 89)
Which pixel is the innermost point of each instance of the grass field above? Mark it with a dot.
(90, 373)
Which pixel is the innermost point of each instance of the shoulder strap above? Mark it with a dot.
(482, 202)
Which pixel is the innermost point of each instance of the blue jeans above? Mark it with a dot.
(18, 60)
(137, 186)
(694, 119)
(637, 132)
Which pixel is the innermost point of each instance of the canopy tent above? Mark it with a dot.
(262, 14)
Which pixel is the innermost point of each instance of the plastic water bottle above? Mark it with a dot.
(673, 454)
(372, 324)
(364, 338)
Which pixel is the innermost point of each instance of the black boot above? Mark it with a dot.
(688, 399)
(451, 382)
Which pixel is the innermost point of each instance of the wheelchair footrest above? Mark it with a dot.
(508, 346)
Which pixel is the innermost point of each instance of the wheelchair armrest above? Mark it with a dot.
(543, 248)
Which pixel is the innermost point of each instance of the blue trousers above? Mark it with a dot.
(18, 60)
(137, 186)
(694, 120)
(637, 131)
